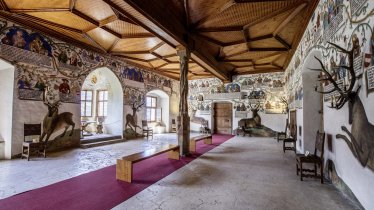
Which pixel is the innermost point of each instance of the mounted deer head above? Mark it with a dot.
(345, 95)
(360, 138)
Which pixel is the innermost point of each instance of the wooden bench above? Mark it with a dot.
(124, 165)
(207, 140)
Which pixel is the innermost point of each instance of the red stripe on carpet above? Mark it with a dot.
(100, 189)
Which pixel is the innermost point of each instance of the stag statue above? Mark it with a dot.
(360, 138)
(54, 121)
(132, 120)
(253, 122)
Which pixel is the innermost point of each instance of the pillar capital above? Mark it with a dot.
(182, 51)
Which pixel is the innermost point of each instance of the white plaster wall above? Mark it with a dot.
(6, 109)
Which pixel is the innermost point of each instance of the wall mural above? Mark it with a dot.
(43, 61)
(349, 25)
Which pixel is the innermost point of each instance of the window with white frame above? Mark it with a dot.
(102, 103)
(86, 103)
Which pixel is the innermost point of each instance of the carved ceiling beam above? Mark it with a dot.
(94, 42)
(283, 42)
(290, 17)
(187, 12)
(156, 47)
(112, 32)
(113, 45)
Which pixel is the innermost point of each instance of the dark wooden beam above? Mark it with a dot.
(131, 58)
(259, 38)
(239, 60)
(283, 42)
(156, 47)
(187, 12)
(113, 45)
(112, 32)
(4, 6)
(260, 49)
(85, 17)
(290, 17)
(210, 40)
(94, 42)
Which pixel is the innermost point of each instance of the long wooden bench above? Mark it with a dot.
(124, 165)
(206, 137)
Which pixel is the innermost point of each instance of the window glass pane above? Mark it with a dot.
(106, 95)
(83, 95)
(149, 101)
(82, 109)
(153, 102)
(153, 114)
(158, 114)
(148, 115)
(101, 95)
(100, 109)
(88, 108)
(105, 108)
(89, 95)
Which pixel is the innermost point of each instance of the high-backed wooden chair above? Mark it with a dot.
(290, 142)
(282, 135)
(147, 131)
(173, 125)
(315, 159)
(29, 147)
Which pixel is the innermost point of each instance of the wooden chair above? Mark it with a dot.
(29, 147)
(282, 135)
(312, 159)
(147, 131)
(290, 142)
(173, 125)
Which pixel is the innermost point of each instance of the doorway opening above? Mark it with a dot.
(6, 109)
(157, 111)
(101, 107)
(222, 118)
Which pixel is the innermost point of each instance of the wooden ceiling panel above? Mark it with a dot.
(95, 9)
(233, 49)
(224, 37)
(171, 66)
(76, 36)
(200, 9)
(140, 63)
(268, 26)
(251, 55)
(165, 50)
(289, 32)
(22, 5)
(136, 44)
(102, 37)
(240, 64)
(174, 59)
(268, 59)
(142, 56)
(239, 15)
(158, 63)
(125, 28)
(266, 43)
(63, 18)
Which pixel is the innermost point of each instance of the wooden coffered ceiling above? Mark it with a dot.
(225, 37)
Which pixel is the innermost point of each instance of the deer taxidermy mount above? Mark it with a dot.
(253, 122)
(360, 139)
(53, 121)
(132, 120)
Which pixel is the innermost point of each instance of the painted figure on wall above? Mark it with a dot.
(40, 85)
(23, 83)
(64, 87)
(356, 46)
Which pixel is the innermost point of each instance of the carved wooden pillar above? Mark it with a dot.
(183, 118)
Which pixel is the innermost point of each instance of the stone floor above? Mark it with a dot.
(242, 173)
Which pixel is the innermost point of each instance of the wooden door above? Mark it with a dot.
(293, 124)
(223, 118)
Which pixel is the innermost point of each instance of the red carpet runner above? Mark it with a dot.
(100, 189)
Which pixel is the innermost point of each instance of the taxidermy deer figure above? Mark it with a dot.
(131, 120)
(360, 139)
(254, 121)
(54, 121)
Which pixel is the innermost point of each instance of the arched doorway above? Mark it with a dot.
(309, 117)
(6, 108)
(102, 104)
(157, 111)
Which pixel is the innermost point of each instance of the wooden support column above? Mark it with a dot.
(183, 120)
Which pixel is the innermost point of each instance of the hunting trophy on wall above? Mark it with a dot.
(132, 120)
(360, 139)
